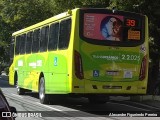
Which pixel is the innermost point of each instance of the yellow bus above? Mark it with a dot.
(89, 52)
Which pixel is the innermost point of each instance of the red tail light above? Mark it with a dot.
(143, 68)
(78, 65)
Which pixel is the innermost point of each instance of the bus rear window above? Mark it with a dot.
(112, 27)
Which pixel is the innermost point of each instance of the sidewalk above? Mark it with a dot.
(153, 103)
(152, 100)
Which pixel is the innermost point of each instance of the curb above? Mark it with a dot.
(140, 98)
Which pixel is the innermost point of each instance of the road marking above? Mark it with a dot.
(49, 107)
(6, 92)
(129, 106)
(16, 95)
(145, 105)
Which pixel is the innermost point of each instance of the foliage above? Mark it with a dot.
(17, 14)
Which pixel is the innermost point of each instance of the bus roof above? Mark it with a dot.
(55, 18)
(49, 20)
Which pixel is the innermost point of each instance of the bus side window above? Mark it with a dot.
(53, 36)
(22, 44)
(64, 36)
(44, 39)
(29, 42)
(17, 45)
(36, 40)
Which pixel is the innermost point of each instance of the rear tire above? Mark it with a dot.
(44, 98)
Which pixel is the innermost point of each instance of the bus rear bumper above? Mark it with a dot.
(111, 88)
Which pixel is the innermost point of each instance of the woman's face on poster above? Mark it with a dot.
(113, 27)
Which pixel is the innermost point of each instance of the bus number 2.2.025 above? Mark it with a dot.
(130, 57)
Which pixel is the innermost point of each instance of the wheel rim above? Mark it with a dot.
(41, 91)
(16, 84)
(18, 89)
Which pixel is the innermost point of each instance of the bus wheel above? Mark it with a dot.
(44, 98)
(20, 91)
(98, 99)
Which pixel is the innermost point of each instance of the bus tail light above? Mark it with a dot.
(78, 65)
(143, 68)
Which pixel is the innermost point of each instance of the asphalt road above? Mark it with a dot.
(74, 108)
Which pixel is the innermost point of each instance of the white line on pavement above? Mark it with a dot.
(16, 95)
(48, 107)
(129, 106)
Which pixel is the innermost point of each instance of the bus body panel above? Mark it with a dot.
(54, 65)
(11, 75)
(103, 69)
(111, 69)
(110, 76)
(50, 64)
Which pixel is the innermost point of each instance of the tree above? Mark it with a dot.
(22, 13)
(18, 14)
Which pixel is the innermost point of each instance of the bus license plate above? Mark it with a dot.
(113, 73)
(128, 74)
